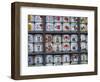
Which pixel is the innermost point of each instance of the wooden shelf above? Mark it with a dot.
(35, 32)
(55, 22)
(63, 32)
(56, 32)
(60, 32)
(57, 53)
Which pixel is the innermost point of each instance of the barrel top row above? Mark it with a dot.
(38, 18)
